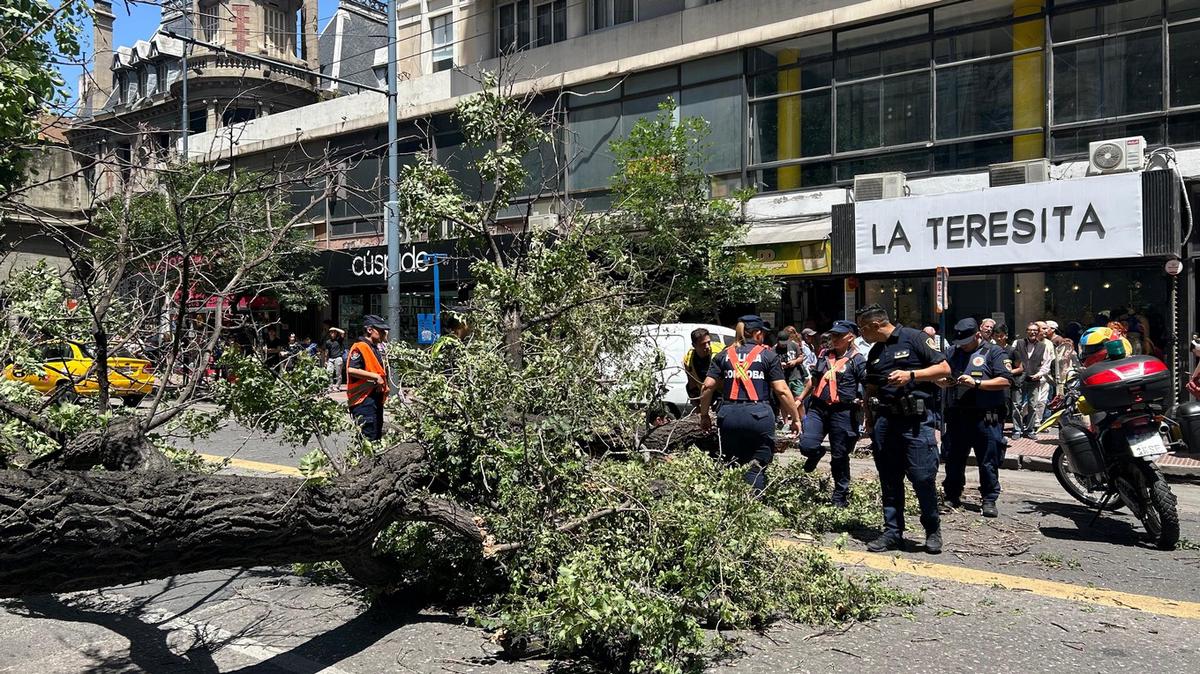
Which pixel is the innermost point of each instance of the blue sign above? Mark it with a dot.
(427, 329)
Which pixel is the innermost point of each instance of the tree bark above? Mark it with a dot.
(119, 446)
(64, 531)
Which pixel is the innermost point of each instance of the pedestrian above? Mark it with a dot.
(1066, 363)
(455, 329)
(979, 374)
(939, 342)
(1033, 358)
(697, 361)
(808, 346)
(901, 368)
(747, 375)
(832, 395)
(274, 348)
(335, 356)
(367, 378)
(795, 371)
(987, 330)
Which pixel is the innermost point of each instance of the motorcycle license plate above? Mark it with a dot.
(1148, 444)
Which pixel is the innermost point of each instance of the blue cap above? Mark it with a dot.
(752, 322)
(844, 328)
(964, 331)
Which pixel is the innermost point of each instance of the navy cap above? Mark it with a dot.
(844, 328)
(752, 322)
(964, 331)
(373, 321)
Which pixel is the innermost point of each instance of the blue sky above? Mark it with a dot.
(137, 22)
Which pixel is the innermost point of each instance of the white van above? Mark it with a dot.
(673, 340)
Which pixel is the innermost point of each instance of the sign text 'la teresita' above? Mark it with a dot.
(1088, 218)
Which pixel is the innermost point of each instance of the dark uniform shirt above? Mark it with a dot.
(849, 381)
(906, 349)
(987, 361)
(356, 359)
(766, 368)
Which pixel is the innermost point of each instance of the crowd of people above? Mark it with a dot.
(895, 385)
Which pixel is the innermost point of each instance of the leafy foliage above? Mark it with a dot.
(682, 243)
(292, 403)
(36, 34)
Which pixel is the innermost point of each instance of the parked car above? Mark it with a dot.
(66, 364)
(673, 340)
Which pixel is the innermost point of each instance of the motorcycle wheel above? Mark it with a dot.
(1159, 515)
(1074, 485)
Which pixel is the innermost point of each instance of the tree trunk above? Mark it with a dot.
(121, 445)
(65, 531)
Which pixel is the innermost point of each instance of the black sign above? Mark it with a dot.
(358, 267)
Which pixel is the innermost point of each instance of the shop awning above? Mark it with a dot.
(789, 230)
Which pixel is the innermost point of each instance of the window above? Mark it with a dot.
(280, 30)
(551, 22)
(143, 87)
(1185, 64)
(237, 116)
(210, 22)
(607, 13)
(1108, 77)
(122, 87)
(197, 120)
(160, 80)
(380, 73)
(441, 29)
(892, 111)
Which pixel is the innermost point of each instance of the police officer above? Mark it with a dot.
(747, 374)
(979, 374)
(833, 394)
(367, 378)
(901, 368)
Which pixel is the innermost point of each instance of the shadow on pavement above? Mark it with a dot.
(1106, 528)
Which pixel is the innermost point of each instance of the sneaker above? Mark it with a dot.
(933, 542)
(811, 463)
(989, 509)
(886, 541)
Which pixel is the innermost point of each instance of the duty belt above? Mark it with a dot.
(907, 406)
(991, 415)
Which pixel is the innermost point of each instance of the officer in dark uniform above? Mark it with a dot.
(832, 395)
(980, 373)
(901, 368)
(748, 374)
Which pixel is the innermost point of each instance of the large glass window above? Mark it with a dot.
(975, 98)
(551, 22)
(592, 129)
(513, 27)
(1114, 17)
(1185, 64)
(876, 113)
(1109, 77)
(720, 104)
(607, 13)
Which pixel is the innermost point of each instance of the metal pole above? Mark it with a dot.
(437, 297)
(184, 117)
(391, 216)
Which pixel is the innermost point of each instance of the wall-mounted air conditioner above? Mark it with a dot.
(1019, 172)
(875, 186)
(1117, 155)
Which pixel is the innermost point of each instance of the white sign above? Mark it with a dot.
(368, 264)
(1083, 219)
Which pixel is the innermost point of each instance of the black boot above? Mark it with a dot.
(989, 509)
(933, 542)
(886, 541)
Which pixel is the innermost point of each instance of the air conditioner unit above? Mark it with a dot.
(876, 186)
(543, 221)
(1117, 155)
(1019, 172)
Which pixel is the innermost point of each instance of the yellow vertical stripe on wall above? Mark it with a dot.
(1029, 86)
(788, 119)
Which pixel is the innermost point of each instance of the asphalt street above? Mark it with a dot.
(1038, 589)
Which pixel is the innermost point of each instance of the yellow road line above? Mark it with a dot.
(257, 466)
(897, 564)
(1037, 586)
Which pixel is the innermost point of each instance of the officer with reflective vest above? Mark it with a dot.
(832, 401)
(367, 378)
(979, 374)
(901, 367)
(747, 374)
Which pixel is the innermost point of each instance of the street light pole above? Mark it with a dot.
(391, 214)
(184, 117)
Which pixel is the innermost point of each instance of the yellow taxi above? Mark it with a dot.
(64, 364)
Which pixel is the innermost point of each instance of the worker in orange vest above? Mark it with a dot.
(367, 378)
(747, 375)
(834, 395)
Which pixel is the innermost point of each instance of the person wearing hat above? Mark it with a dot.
(979, 375)
(335, 355)
(808, 338)
(367, 378)
(748, 374)
(902, 367)
(833, 394)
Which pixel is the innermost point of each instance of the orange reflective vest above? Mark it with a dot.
(741, 372)
(830, 376)
(358, 388)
